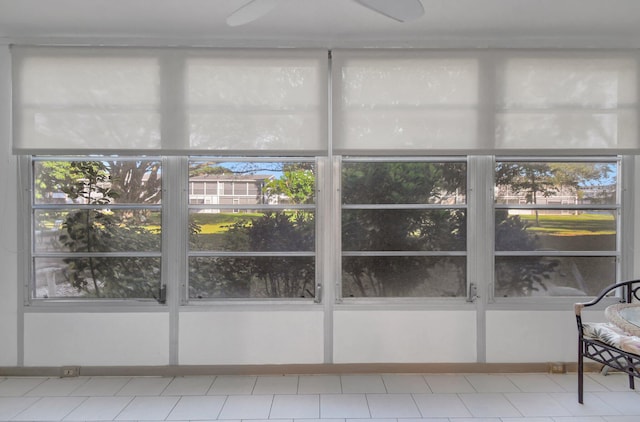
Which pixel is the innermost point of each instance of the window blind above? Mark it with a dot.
(494, 101)
(275, 101)
(405, 100)
(566, 100)
(169, 101)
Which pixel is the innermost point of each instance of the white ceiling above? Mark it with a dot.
(326, 23)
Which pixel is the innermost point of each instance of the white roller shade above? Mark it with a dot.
(80, 99)
(568, 100)
(405, 100)
(265, 100)
(182, 101)
(542, 102)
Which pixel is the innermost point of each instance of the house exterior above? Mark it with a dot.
(228, 189)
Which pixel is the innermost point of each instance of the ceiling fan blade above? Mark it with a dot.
(251, 11)
(400, 10)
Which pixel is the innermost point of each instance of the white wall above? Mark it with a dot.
(250, 337)
(531, 336)
(404, 336)
(96, 339)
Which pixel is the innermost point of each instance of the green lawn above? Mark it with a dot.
(219, 223)
(571, 225)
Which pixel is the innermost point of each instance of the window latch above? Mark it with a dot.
(472, 293)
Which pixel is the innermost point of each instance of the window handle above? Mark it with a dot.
(472, 293)
(318, 297)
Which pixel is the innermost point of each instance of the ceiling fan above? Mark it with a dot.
(399, 10)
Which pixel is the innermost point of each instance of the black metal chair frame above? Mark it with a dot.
(598, 351)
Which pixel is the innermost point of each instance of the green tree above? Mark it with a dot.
(529, 179)
(100, 230)
(518, 276)
(408, 229)
(296, 186)
(278, 231)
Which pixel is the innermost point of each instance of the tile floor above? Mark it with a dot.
(332, 398)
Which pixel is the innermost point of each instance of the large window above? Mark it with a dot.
(257, 228)
(96, 228)
(404, 227)
(556, 226)
(252, 229)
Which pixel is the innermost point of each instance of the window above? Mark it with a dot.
(258, 241)
(556, 226)
(404, 228)
(96, 228)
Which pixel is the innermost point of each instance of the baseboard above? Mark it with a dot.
(299, 369)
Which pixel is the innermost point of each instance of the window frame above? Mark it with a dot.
(624, 222)
(480, 174)
(26, 164)
(436, 301)
(233, 207)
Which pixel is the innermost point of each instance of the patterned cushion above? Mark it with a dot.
(612, 335)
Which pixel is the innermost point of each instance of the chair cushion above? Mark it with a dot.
(612, 335)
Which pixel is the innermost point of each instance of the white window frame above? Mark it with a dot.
(624, 232)
(235, 207)
(406, 300)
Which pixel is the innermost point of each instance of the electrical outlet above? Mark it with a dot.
(70, 371)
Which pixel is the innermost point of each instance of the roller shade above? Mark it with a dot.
(169, 101)
(274, 101)
(500, 101)
(570, 101)
(405, 100)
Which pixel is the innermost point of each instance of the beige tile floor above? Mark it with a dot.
(329, 398)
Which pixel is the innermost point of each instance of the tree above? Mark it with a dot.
(101, 230)
(277, 231)
(528, 178)
(523, 277)
(381, 229)
(295, 186)
(577, 177)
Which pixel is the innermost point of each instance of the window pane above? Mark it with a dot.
(102, 230)
(553, 276)
(559, 230)
(251, 277)
(100, 206)
(419, 276)
(221, 230)
(556, 183)
(249, 208)
(403, 183)
(544, 206)
(399, 206)
(247, 183)
(97, 277)
(408, 230)
(97, 182)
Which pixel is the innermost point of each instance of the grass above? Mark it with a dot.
(571, 225)
(219, 223)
